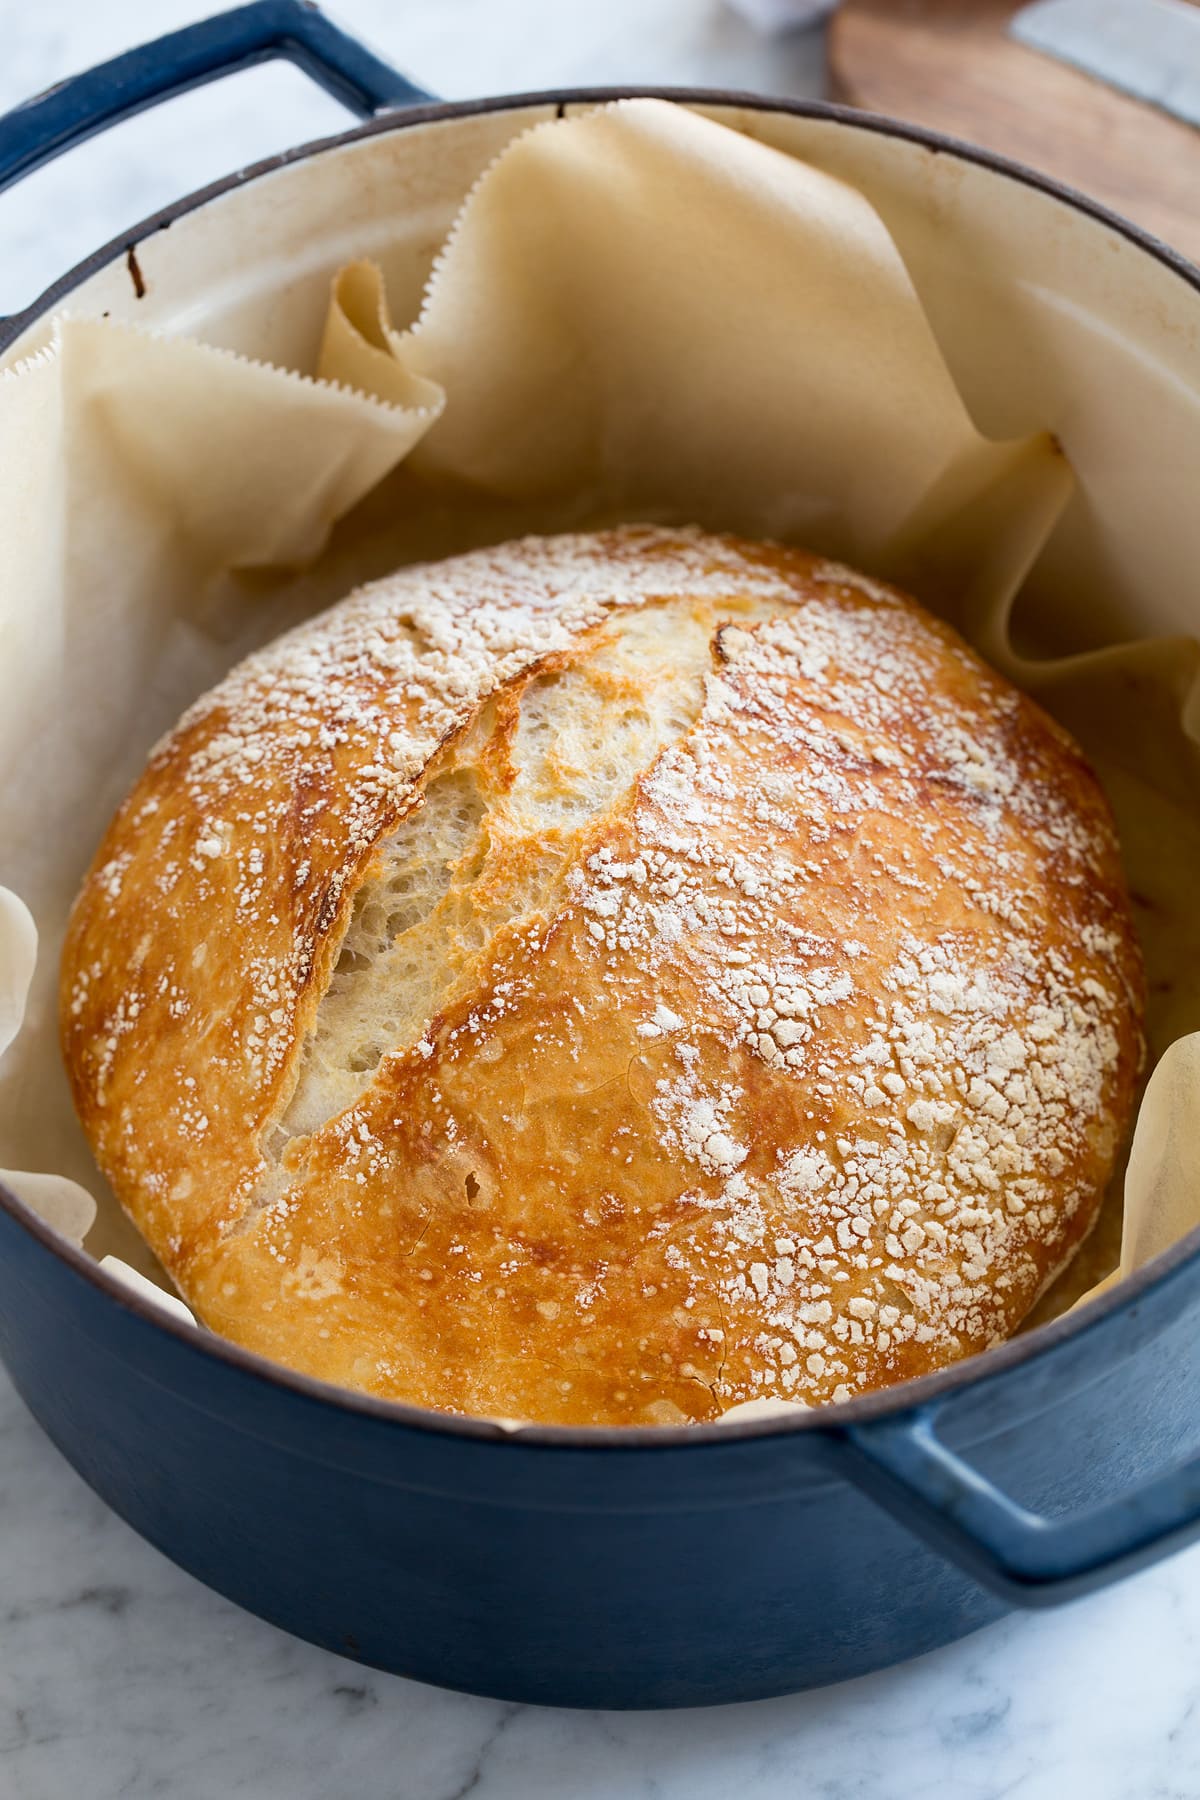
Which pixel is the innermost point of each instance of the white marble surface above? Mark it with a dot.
(121, 1678)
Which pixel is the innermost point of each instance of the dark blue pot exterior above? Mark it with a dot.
(563, 1570)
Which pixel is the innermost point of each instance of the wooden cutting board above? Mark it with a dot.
(951, 65)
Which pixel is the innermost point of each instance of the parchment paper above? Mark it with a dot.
(639, 314)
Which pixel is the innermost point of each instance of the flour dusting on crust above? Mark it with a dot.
(610, 978)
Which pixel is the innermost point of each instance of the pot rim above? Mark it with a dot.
(905, 1396)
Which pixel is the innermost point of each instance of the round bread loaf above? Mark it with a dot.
(603, 979)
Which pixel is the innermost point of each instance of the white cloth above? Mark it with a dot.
(776, 16)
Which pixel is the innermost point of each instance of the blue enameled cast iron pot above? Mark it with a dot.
(617, 1568)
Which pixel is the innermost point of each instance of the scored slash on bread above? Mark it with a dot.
(603, 979)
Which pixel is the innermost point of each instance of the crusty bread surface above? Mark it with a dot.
(603, 979)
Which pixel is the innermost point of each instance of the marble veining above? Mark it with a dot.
(122, 1678)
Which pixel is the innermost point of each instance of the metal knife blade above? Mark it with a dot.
(1148, 48)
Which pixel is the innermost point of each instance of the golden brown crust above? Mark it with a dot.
(794, 1068)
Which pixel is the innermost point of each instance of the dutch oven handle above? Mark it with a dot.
(78, 108)
(1029, 1560)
